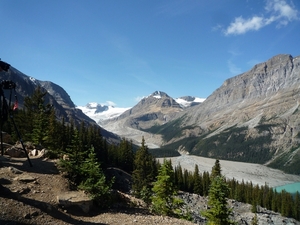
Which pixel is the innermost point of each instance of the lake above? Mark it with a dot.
(291, 188)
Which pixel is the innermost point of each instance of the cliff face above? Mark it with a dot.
(251, 117)
(253, 92)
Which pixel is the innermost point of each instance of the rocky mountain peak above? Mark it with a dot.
(159, 94)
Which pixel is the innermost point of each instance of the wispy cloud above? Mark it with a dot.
(138, 98)
(233, 68)
(276, 11)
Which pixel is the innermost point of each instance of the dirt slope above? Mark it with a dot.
(34, 201)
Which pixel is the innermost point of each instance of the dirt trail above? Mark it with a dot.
(34, 201)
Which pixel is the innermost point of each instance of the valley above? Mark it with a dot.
(249, 172)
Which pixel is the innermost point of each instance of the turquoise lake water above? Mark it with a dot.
(291, 188)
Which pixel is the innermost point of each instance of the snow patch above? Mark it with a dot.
(184, 103)
(108, 112)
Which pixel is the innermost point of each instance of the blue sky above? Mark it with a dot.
(118, 51)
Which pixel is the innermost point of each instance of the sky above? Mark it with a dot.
(115, 52)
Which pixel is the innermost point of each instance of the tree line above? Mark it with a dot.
(89, 154)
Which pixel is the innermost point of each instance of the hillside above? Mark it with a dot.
(34, 201)
(252, 117)
(28, 195)
(56, 96)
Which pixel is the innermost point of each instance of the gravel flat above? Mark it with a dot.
(258, 174)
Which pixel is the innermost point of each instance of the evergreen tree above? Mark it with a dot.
(52, 139)
(125, 155)
(216, 170)
(93, 179)
(218, 212)
(37, 114)
(179, 177)
(206, 183)
(144, 173)
(296, 213)
(164, 200)
(75, 157)
(198, 188)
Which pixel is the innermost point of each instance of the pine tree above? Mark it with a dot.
(75, 157)
(198, 188)
(164, 200)
(218, 212)
(144, 173)
(179, 177)
(37, 113)
(52, 138)
(206, 183)
(93, 179)
(216, 170)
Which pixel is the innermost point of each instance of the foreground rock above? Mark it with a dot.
(75, 199)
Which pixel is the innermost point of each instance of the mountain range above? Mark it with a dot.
(252, 117)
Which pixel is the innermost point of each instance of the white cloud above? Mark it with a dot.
(277, 11)
(241, 26)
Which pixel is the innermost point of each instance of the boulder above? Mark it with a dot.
(15, 152)
(75, 198)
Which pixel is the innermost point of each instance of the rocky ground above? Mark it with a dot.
(28, 195)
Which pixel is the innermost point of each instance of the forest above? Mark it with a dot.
(89, 155)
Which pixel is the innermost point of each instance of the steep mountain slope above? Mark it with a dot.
(57, 96)
(252, 117)
(156, 109)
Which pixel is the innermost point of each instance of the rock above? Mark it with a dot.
(25, 178)
(14, 170)
(15, 152)
(75, 198)
(34, 152)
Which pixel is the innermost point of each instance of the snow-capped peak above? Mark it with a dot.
(99, 112)
(158, 94)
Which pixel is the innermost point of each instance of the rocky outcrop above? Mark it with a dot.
(260, 106)
(75, 199)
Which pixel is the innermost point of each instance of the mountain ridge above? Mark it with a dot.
(57, 96)
(252, 117)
